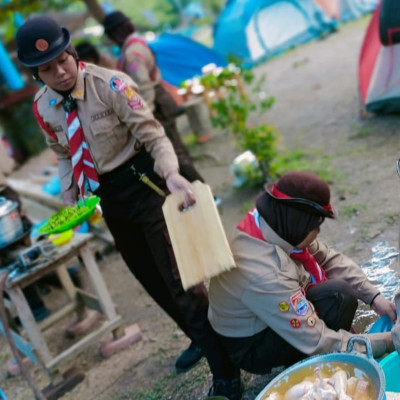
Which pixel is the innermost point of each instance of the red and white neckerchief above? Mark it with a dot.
(82, 163)
(250, 224)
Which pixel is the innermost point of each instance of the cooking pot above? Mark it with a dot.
(365, 363)
(10, 222)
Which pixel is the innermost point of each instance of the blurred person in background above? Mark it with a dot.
(138, 61)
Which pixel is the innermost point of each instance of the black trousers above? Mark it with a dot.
(165, 113)
(335, 303)
(134, 216)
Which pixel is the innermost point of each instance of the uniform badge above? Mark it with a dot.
(299, 303)
(41, 45)
(311, 321)
(135, 103)
(134, 66)
(129, 92)
(283, 306)
(295, 323)
(117, 84)
(52, 102)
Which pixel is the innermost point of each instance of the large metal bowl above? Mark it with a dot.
(10, 222)
(366, 364)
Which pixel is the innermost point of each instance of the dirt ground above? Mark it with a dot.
(317, 108)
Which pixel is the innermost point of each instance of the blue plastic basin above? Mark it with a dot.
(391, 367)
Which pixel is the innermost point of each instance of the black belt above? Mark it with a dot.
(139, 168)
(123, 167)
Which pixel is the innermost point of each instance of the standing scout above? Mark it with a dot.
(291, 296)
(99, 128)
(138, 61)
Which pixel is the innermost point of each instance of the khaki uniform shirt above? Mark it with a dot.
(267, 290)
(139, 63)
(7, 164)
(115, 120)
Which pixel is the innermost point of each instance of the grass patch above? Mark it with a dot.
(362, 132)
(186, 386)
(305, 160)
(353, 209)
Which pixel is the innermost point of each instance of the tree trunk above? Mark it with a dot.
(95, 10)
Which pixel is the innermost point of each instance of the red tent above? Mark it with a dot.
(379, 64)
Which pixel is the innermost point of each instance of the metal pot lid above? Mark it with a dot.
(6, 206)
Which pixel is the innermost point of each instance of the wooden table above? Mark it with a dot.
(36, 348)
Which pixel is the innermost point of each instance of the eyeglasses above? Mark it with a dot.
(326, 211)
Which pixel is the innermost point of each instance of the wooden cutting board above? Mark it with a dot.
(198, 237)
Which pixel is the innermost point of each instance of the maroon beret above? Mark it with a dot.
(304, 189)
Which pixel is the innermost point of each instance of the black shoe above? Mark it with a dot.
(232, 389)
(188, 359)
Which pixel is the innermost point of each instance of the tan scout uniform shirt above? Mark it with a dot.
(115, 129)
(138, 62)
(7, 164)
(266, 290)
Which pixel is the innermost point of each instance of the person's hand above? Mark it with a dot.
(70, 196)
(381, 343)
(383, 306)
(176, 182)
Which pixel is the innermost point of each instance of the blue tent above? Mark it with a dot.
(254, 30)
(353, 9)
(180, 58)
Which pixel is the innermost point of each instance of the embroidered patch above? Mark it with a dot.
(41, 44)
(283, 306)
(101, 115)
(135, 103)
(295, 323)
(134, 66)
(117, 84)
(299, 303)
(311, 321)
(129, 92)
(52, 102)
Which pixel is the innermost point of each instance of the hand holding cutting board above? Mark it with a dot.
(197, 236)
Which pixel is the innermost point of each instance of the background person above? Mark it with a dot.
(88, 52)
(291, 296)
(99, 127)
(138, 61)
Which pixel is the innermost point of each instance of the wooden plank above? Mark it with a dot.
(28, 321)
(198, 237)
(66, 281)
(64, 253)
(58, 315)
(89, 300)
(76, 348)
(27, 189)
(98, 283)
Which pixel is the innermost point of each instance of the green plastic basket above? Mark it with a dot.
(90, 202)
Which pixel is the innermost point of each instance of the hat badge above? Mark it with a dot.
(42, 44)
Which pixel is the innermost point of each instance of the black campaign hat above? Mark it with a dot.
(40, 40)
(113, 19)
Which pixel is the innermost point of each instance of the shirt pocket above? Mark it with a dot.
(109, 130)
